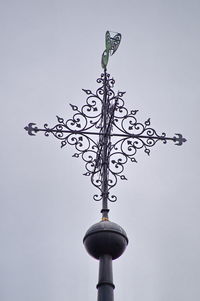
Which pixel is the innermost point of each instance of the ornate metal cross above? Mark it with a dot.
(105, 134)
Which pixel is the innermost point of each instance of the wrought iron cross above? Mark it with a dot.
(105, 134)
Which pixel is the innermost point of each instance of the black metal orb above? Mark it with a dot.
(105, 238)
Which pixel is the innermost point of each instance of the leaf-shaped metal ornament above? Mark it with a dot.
(122, 177)
(147, 151)
(115, 43)
(74, 108)
(120, 94)
(112, 41)
(87, 174)
(60, 120)
(108, 41)
(133, 160)
(147, 122)
(134, 112)
(104, 59)
(88, 92)
(76, 155)
(63, 143)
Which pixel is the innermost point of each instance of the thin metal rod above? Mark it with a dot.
(105, 156)
(105, 133)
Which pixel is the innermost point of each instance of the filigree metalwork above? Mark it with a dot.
(105, 135)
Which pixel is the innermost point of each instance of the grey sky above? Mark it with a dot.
(49, 51)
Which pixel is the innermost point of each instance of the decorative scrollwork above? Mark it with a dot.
(105, 135)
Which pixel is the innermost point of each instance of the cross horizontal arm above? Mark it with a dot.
(32, 129)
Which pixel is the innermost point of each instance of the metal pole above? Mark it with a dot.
(105, 285)
(105, 162)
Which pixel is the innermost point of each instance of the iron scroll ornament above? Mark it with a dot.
(105, 135)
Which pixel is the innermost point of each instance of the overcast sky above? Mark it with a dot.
(49, 51)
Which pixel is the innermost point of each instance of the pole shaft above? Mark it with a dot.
(105, 162)
(105, 285)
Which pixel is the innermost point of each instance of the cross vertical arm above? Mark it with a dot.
(105, 149)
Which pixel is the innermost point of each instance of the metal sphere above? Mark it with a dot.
(105, 238)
